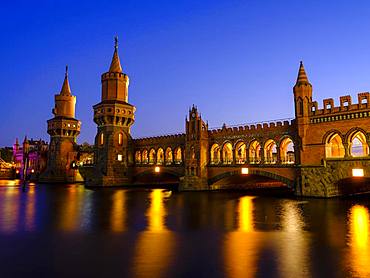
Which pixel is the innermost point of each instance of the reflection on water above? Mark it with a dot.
(153, 233)
(293, 243)
(10, 209)
(155, 246)
(241, 245)
(359, 241)
(118, 212)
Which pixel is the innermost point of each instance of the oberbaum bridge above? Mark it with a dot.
(322, 152)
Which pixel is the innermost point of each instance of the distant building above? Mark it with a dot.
(34, 153)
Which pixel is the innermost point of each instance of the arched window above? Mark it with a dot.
(240, 153)
(101, 138)
(215, 154)
(160, 156)
(358, 145)
(334, 146)
(192, 152)
(270, 152)
(138, 157)
(144, 157)
(178, 155)
(287, 151)
(169, 156)
(120, 139)
(151, 156)
(227, 153)
(254, 152)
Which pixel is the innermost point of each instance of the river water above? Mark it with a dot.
(70, 231)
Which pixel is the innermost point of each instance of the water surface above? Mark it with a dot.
(59, 231)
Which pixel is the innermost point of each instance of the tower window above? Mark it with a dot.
(120, 139)
(101, 139)
(119, 157)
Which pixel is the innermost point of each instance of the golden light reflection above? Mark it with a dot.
(155, 246)
(293, 242)
(118, 213)
(72, 209)
(30, 209)
(359, 240)
(241, 245)
(10, 209)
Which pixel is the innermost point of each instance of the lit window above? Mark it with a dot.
(101, 138)
(157, 169)
(120, 139)
(245, 171)
(119, 157)
(357, 172)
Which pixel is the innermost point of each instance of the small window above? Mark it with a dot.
(328, 106)
(101, 139)
(119, 157)
(120, 139)
(364, 101)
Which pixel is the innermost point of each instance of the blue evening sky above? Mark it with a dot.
(236, 60)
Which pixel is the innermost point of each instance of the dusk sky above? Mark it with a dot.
(236, 60)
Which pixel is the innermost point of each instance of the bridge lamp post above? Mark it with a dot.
(357, 172)
(244, 171)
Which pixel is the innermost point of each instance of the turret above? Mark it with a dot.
(63, 130)
(26, 145)
(16, 145)
(64, 101)
(114, 82)
(114, 117)
(302, 93)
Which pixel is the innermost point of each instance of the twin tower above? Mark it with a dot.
(113, 116)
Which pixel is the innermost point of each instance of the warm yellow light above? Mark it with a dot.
(245, 171)
(32, 171)
(157, 169)
(17, 172)
(119, 157)
(357, 172)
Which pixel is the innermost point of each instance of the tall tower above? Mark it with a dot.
(196, 152)
(302, 102)
(114, 117)
(63, 130)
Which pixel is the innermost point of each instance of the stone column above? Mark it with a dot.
(346, 150)
(278, 151)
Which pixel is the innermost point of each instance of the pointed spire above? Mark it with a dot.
(302, 76)
(66, 90)
(16, 141)
(25, 139)
(115, 65)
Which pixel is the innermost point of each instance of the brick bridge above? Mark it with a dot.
(321, 152)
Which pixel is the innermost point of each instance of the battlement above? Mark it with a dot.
(253, 127)
(346, 104)
(109, 75)
(159, 139)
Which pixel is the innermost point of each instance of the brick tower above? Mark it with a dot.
(302, 103)
(114, 117)
(196, 152)
(63, 130)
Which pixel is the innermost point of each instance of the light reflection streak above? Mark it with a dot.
(293, 243)
(241, 245)
(118, 213)
(155, 246)
(10, 210)
(359, 240)
(30, 209)
(71, 211)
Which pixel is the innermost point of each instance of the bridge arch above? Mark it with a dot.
(240, 152)
(334, 147)
(270, 151)
(287, 150)
(258, 172)
(227, 153)
(254, 150)
(357, 142)
(215, 154)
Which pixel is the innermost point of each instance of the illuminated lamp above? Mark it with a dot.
(357, 172)
(157, 169)
(33, 171)
(17, 171)
(119, 157)
(245, 171)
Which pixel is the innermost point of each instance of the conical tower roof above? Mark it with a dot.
(115, 65)
(302, 76)
(66, 90)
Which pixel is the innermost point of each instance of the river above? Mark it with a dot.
(70, 231)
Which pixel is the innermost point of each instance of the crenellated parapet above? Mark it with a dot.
(345, 111)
